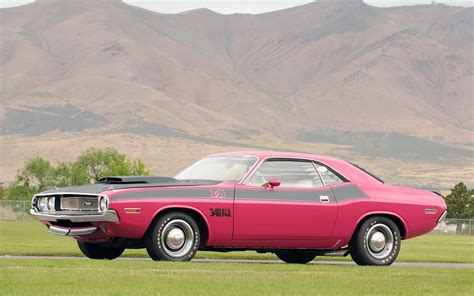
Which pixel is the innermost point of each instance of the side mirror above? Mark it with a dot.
(273, 183)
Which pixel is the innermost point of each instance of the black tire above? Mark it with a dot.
(296, 256)
(367, 246)
(163, 242)
(98, 251)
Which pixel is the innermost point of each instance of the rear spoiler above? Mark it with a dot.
(436, 191)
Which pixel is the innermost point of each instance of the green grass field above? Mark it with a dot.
(100, 277)
(47, 277)
(32, 238)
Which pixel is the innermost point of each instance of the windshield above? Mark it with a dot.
(219, 168)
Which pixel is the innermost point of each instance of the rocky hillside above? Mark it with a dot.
(389, 82)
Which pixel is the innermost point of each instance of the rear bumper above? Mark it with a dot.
(443, 216)
(108, 216)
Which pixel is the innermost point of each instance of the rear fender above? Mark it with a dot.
(403, 231)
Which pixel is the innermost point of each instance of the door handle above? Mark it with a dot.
(324, 198)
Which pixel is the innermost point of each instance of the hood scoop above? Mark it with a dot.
(136, 180)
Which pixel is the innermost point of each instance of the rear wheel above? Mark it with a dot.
(174, 237)
(376, 242)
(99, 251)
(296, 256)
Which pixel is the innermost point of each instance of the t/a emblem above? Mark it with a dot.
(217, 193)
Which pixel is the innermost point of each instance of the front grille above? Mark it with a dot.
(80, 203)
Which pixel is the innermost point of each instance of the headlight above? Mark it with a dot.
(51, 204)
(42, 203)
(103, 204)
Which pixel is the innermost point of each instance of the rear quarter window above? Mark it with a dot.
(329, 177)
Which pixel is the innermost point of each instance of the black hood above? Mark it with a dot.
(121, 182)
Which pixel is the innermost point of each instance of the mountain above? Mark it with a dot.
(388, 82)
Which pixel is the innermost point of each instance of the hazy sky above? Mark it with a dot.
(243, 6)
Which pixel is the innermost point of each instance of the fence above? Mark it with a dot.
(455, 226)
(20, 211)
(14, 210)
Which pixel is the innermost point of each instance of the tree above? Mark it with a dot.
(2, 191)
(63, 175)
(460, 204)
(38, 174)
(20, 192)
(96, 163)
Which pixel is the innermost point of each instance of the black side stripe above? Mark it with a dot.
(283, 195)
(348, 192)
(337, 194)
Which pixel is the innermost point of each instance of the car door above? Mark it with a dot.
(300, 208)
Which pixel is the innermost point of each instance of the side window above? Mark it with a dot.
(291, 174)
(327, 175)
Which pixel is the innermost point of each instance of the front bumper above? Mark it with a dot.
(108, 216)
(58, 230)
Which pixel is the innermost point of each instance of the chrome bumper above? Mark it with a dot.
(71, 231)
(443, 216)
(108, 216)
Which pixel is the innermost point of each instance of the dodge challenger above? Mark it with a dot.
(297, 206)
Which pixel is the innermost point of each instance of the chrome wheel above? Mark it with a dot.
(177, 238)
(379, 241)
(376, 241)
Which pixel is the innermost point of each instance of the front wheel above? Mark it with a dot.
(298, 257)
(376, 242)
(99, 251)
(174, 237)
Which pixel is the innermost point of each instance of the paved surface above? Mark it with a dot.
(399, 264)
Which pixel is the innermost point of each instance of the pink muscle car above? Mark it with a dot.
(297, 206)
